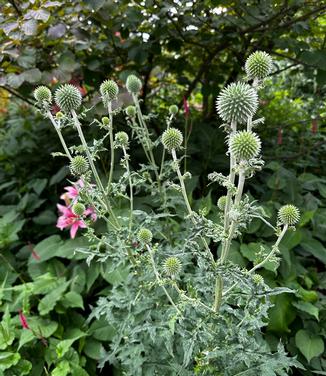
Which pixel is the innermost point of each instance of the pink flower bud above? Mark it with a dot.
(23, 320)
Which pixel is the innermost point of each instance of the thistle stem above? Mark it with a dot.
(111, 144)
(163, 154)
(56, 127)
(126, 157)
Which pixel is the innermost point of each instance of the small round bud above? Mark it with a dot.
(289, 215)
(172, 266)
(105, 120)
(258, 279)
(237, 102)
(121, 139)
(258, 65)
(144, 236)
(244, 145)
(221, 202)
(79, 165)
(68, 97)
(109, 90)
(133, 84)
(173, 109)
(59, 115)
(43, 94)
(78, 209)
(172, 139)
(131, 111)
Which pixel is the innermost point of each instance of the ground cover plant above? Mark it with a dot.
(175, 306)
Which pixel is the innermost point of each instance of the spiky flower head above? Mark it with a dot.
(172, 266)
(79, 165)
(237, 102)
(78, 209)
(105, 120)
(109, 90)
(131, 111)
(173, 109)
(68, 97)
(144, 236)
(133, 84)
(244, 145)
(221, 202)
(258, 65)
(43, 94)
(172, 139)
(258, 279)
(121, 139)
(289, 215)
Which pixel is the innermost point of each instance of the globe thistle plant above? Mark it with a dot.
(172, 139)
(144, 236)
(131, 111)
(43, 94)
(78, 209)
(68, 97)
(244, 145)
(173, 109)
(109, 91)
(289, 215)
(172, 266)
(258, 65)
(221, 202)
(133, 84)
(121, 139)
(79, 165)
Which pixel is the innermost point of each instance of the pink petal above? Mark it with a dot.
(73, 230)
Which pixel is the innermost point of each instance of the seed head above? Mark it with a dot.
(289, 215)
(79, 165)
(237, 102)
(172, 266)
(258, 65)
(221, 202)
(109, 90)
(258, 279)
(173, 109)
(172, 139)
(68, 97)
(131, 111)
(43, 94)
(244, 145)
(144, 236)
(133, 84)
(121, 139)
(78, 209)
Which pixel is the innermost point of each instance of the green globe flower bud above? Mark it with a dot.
(79, 165)
(258, 279)
(133, 84)
(105, 120)
(172, 139)
(43, 94)
(221, 202)
(131, 111)
(144, 236)
(121, 139)
(244, 145)
(59, 115)
(78, 209)
(258, 65)
(173, 109)
(109, 90)
(68, 97)
(172, 266)
(237, 102)
(289, 215)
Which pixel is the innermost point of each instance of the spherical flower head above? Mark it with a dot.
(237, 102)
(258, 65)
(121, 139)
(144, 236)
(173, 109)
(79, 165)
(172, 266)
(221, 202)
(43, 94)
(68, 97)
(131, 111)
(105, 120)
(258, 279)
(289, 215)
(244, 145)
(172, 139)
(78, 209)
(109, 90)
(133, 84)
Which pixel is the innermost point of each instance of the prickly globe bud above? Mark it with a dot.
(121, 139)
(105, 120)
(289, 215)
(59, 115)
(258, 65)
(79, 165)
(144, 236)
(237, 102)
(131, 111)
(172, 266)
(68, 97)
(172, 139)
(244, 145)
(78, 209)
(133, 84)
(173, 109)
(257, 278)
(221, 202)
(109, 90)
(43, 94)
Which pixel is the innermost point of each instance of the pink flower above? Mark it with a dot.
(69, 219)
(91, 211)
(23, 320)
(72, 191)
(186, 107)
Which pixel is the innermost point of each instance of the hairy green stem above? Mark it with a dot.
(111, 145)
(126, 157)
(218, 293)
(57, 128)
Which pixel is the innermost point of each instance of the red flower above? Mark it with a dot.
(23, 320)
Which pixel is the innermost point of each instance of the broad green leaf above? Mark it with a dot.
(7, 334)
(48, 302)
(93, 349)
(308, 308)
(63, 346)
(314, 247)
(8, 359)
(281, 314)
(62, 369)
(73, 299)
(22, 368)
(309, 344)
